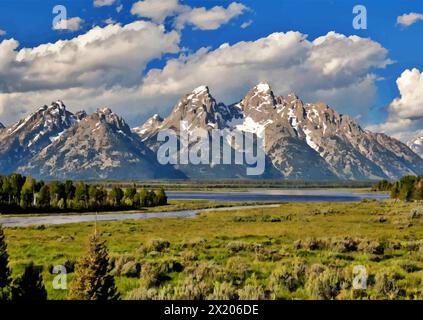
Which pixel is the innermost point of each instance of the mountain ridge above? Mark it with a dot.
(303, 141)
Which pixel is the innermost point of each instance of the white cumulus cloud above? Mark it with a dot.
(72, 24)
(103, 3)
(406, 111)
(210, 19)
(110, 59)
(409, 19)
(157, 11)
(200, 18)
(2, 32)
(333, 68)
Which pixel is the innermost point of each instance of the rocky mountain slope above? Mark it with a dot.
(99, 146)
(21, 141)
(302, 141)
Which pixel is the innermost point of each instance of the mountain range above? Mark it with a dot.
(303, 141)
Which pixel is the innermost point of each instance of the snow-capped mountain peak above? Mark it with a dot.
(28, 136)
(201, 90)
(416, 145)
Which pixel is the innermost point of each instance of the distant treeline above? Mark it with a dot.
(408, 188)
(243, 184)
(19, 194)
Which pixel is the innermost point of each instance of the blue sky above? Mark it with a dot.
(30, 23)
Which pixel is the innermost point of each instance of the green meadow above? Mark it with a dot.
(294, 251)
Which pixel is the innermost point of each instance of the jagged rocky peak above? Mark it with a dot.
(200, 97)
(259, 97)
(106, 115)
(155, 119)
(1, 126)
(199, 109)
(54, 116)
(152, 124)
(47, 119)
(81, 115)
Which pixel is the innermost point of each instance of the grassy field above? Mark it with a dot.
(299, 250)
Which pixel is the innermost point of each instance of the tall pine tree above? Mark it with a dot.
(5, 279)
(30, 286)
(93, 279)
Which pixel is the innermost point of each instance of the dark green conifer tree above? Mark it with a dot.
(30, 286)
(5, 280)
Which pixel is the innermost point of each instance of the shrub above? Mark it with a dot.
(150, 276)
(408, 266)
(314, 244)
(283, 279)
(192, 243)
(223, 291)
(414, 245)
(126, 266)
(143, 294)
(169, 265)
(372, 247)
(192, 289)
(207, 271)
(189, 256)
(237, 246)
(326, 285)
(416, 213)
(238, 269)
(387, 284)
(344, 245)
(158, 245)
(131, 269)
(252, 291)
(315, 270)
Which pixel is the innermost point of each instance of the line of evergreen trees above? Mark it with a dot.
(93, 279)
(24, 194)
(408, 188)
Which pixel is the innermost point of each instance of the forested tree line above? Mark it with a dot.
(25, 194)
(408, 188)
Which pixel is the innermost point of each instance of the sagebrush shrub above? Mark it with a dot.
(372, 247)
(143, 294)
(237, 246)
(416, 213)
(126, 261)
(192, 289)
(223, 291)
(284, 278)
(344, 245)
(238, 269)
(387, 284)
(150, 276)
(252, 292)
(158, 245)
(326, 285)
